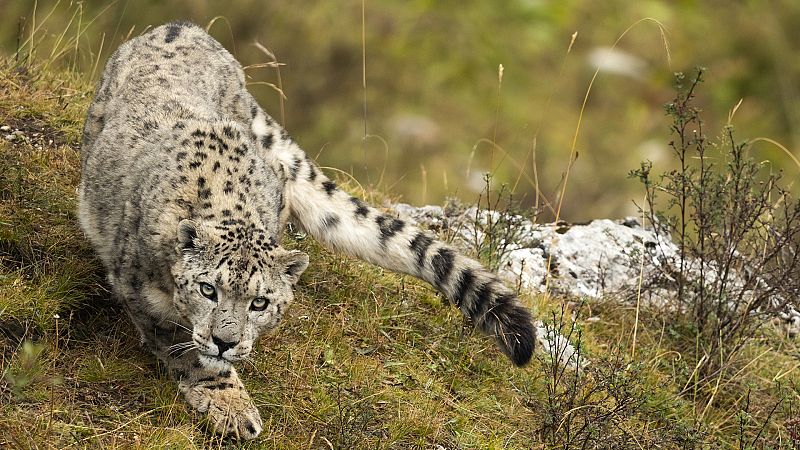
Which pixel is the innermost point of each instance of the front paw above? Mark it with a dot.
(231, 412)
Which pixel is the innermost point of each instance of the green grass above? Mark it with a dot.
(365, 358)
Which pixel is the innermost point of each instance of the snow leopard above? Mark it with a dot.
(187, 186)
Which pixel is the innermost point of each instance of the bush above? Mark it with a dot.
(737, 230)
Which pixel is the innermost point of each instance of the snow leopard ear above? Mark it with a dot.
(187, 234)
(292, 264)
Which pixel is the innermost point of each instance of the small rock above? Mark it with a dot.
(19, 133)
(5, 128)
(10, 137)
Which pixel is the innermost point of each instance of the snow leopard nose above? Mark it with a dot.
(222, 345)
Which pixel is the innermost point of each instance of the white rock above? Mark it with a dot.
(601, 258)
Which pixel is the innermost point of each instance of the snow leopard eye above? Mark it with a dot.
(208, 291)
(259, 304)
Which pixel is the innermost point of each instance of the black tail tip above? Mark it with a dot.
(518, 339)
(521, 346)
(511, 324)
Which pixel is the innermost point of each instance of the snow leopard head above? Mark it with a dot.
(232, 283)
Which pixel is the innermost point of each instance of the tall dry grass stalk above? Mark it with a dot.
(573, 153)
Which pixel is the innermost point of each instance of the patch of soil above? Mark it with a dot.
(33, 131)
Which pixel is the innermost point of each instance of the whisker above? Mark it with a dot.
(179, 325)
(181, 347)
(185, 351)
(181, 344)
(179, 353)
(249, 360)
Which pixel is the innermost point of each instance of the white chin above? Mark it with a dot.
(214, 363)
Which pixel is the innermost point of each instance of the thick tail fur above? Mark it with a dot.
(346, 224)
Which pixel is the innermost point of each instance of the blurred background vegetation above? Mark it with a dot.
(435, 101)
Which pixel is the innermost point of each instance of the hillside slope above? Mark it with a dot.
(364, 359)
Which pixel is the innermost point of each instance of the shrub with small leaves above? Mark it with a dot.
(737, 228)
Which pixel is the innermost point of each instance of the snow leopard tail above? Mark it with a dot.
(346, 224)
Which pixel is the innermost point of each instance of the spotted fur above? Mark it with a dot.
(187, 187)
